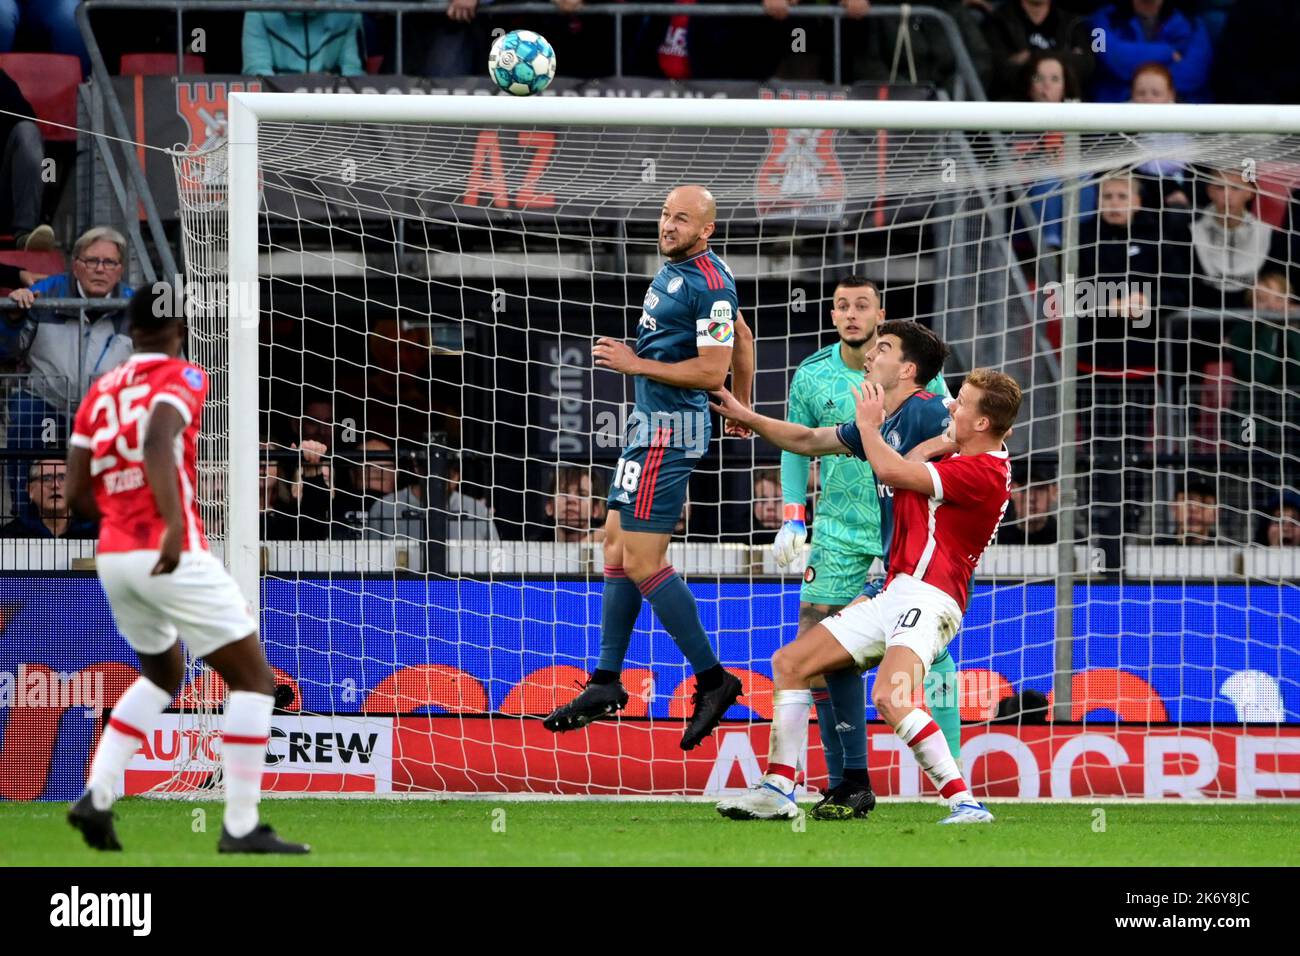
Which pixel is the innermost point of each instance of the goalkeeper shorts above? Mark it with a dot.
(649, 488)
(834, 577)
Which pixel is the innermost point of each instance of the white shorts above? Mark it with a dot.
(908, 613)
(199, 601)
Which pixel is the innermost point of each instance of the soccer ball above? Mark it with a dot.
(522, 63)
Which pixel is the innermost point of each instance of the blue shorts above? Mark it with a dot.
(649, 487)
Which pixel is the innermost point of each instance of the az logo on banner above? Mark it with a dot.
(203, 106)
(800, 176)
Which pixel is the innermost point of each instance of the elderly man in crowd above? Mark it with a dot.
(64, 351)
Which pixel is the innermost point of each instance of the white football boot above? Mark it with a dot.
(769, 799)
(968, 812)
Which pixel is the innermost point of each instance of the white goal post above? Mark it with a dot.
(974, 217)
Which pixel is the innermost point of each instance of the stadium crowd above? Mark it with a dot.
(1181, 236)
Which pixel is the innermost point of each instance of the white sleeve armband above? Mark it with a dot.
(719, 328)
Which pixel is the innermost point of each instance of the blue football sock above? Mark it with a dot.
(849, 700)
(674, 605)
(830, 736)
(620, 602)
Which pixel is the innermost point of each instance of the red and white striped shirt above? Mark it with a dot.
(939, 539)
(112, 422)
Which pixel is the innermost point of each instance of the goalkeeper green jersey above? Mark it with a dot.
(847, 518)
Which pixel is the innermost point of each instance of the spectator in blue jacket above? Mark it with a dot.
(1135, 32)
(302, 43)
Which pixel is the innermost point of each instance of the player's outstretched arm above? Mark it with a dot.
(165, 425)
(890, 467)
(742, 362)
(790, 436)
(742, 374)
(81, 498)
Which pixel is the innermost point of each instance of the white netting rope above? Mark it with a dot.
(963, 232)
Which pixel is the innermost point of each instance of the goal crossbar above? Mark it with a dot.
(839, 114)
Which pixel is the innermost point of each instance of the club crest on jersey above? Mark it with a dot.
(651, 300)
(193, 378)
(674, 284)
(895, 440)
(809, 574)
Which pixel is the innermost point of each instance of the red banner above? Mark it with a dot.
(518, 755)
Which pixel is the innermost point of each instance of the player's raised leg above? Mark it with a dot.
(793, 667)
(133, 717)
(901, 672)
(638, 559)
(620, 603)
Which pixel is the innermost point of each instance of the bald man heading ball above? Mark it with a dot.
(689, 334)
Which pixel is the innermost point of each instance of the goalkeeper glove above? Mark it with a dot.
(792, 536)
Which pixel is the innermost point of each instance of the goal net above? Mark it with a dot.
(408, 449)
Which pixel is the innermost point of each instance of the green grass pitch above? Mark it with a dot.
(618, 833)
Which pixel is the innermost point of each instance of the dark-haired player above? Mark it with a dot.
(132, 464)
(945, 515)
(851, 529)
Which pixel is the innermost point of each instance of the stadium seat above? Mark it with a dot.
(45, 263)
(158, 64)
(49, 81)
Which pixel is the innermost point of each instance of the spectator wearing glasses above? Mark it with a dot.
(47, 514)
(62, 351)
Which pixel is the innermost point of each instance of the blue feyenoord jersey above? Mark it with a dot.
(690, 305)
(921, 416)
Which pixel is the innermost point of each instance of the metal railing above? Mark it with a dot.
(969, 85)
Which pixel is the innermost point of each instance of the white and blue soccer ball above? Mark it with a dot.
(522, 62)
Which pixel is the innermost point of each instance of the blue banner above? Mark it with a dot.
(1191, 644)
